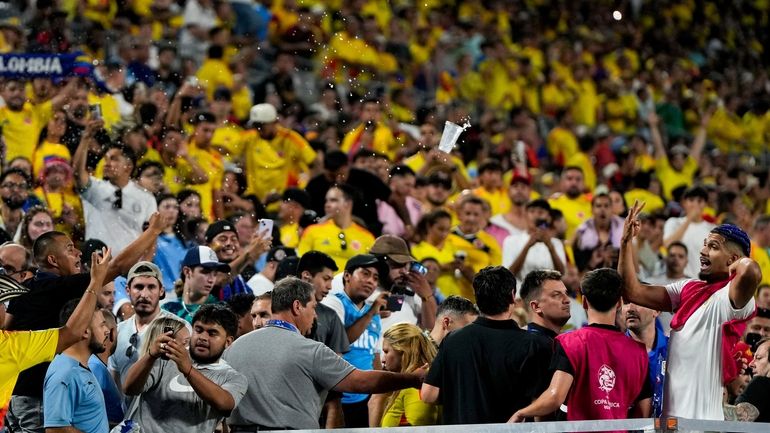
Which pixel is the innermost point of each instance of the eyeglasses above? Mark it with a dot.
(343, 242)
(132, 348)
(9, 270)
(118, 204)
(11, 185)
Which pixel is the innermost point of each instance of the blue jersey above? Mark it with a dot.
(362, 351)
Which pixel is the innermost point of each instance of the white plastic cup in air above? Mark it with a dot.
(450, 136)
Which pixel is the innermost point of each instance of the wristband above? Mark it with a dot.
(188, 372)
(91, 291)
(427, 297)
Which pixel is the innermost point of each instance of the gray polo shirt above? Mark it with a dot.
(289, 376)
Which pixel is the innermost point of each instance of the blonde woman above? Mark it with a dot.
(405, 348)
(161, 325)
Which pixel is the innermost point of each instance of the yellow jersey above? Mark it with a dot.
(561, 143)
(290, 235)
(671, 179)
(762, 257)
(382, 142)
(417, 161)
(22, 350)
(269, 164)
(447, 282)
(21, 129)
(55, 202)
(340, 244)
(498, 200)
(575, 211)
(228, 141)
(45, 151)
(653, 202)
(212, 164)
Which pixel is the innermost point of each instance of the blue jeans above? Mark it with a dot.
(25, 415)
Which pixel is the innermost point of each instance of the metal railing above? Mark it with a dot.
(647, 425)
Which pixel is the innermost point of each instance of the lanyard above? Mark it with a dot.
(282, 324)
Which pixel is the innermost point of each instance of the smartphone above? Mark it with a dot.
(265, 227)
(96, 111)
(395, 302)
(418, 268)
(166, 330)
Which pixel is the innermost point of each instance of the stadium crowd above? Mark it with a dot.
(234, 215)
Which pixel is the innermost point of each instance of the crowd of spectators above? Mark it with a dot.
(227, 178)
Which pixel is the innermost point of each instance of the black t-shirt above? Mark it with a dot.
(544, 339)
(758, 394)
(329, 330)
(39, 309)
(370, 188)
(561, 362)
(487, 371)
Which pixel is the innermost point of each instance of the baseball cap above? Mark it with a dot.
(366, 261)
(218, 227)
(297, 195)
(277, 254)
(205, 257)
(392, 247)
(263, 113)
(145, 269)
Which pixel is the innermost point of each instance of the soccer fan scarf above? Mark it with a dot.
(694, 294)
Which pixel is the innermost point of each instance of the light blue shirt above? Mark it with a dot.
(113, 398)
(362, 351)
(72, 397)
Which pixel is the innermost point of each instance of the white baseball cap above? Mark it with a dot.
(263, 113)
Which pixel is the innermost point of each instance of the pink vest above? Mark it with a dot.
(610, 371)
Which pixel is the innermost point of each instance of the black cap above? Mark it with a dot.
(218, 227)
(366, 261)
(300, 196)
(277, 254)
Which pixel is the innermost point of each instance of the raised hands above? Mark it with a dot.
(99, 264)
(632, 223)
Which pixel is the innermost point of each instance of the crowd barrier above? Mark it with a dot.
(646, 425)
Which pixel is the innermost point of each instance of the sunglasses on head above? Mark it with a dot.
(118, 203)
(132, 348)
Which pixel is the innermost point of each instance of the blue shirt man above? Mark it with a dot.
(72, 396)
(361, 318)
(644, 327)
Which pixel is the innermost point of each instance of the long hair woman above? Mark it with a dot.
(405, 348)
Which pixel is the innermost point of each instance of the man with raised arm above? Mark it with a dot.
(722, 293)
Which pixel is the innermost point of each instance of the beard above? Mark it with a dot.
(713, 276)
(205, 359)
(14, 203)
(95, 346)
